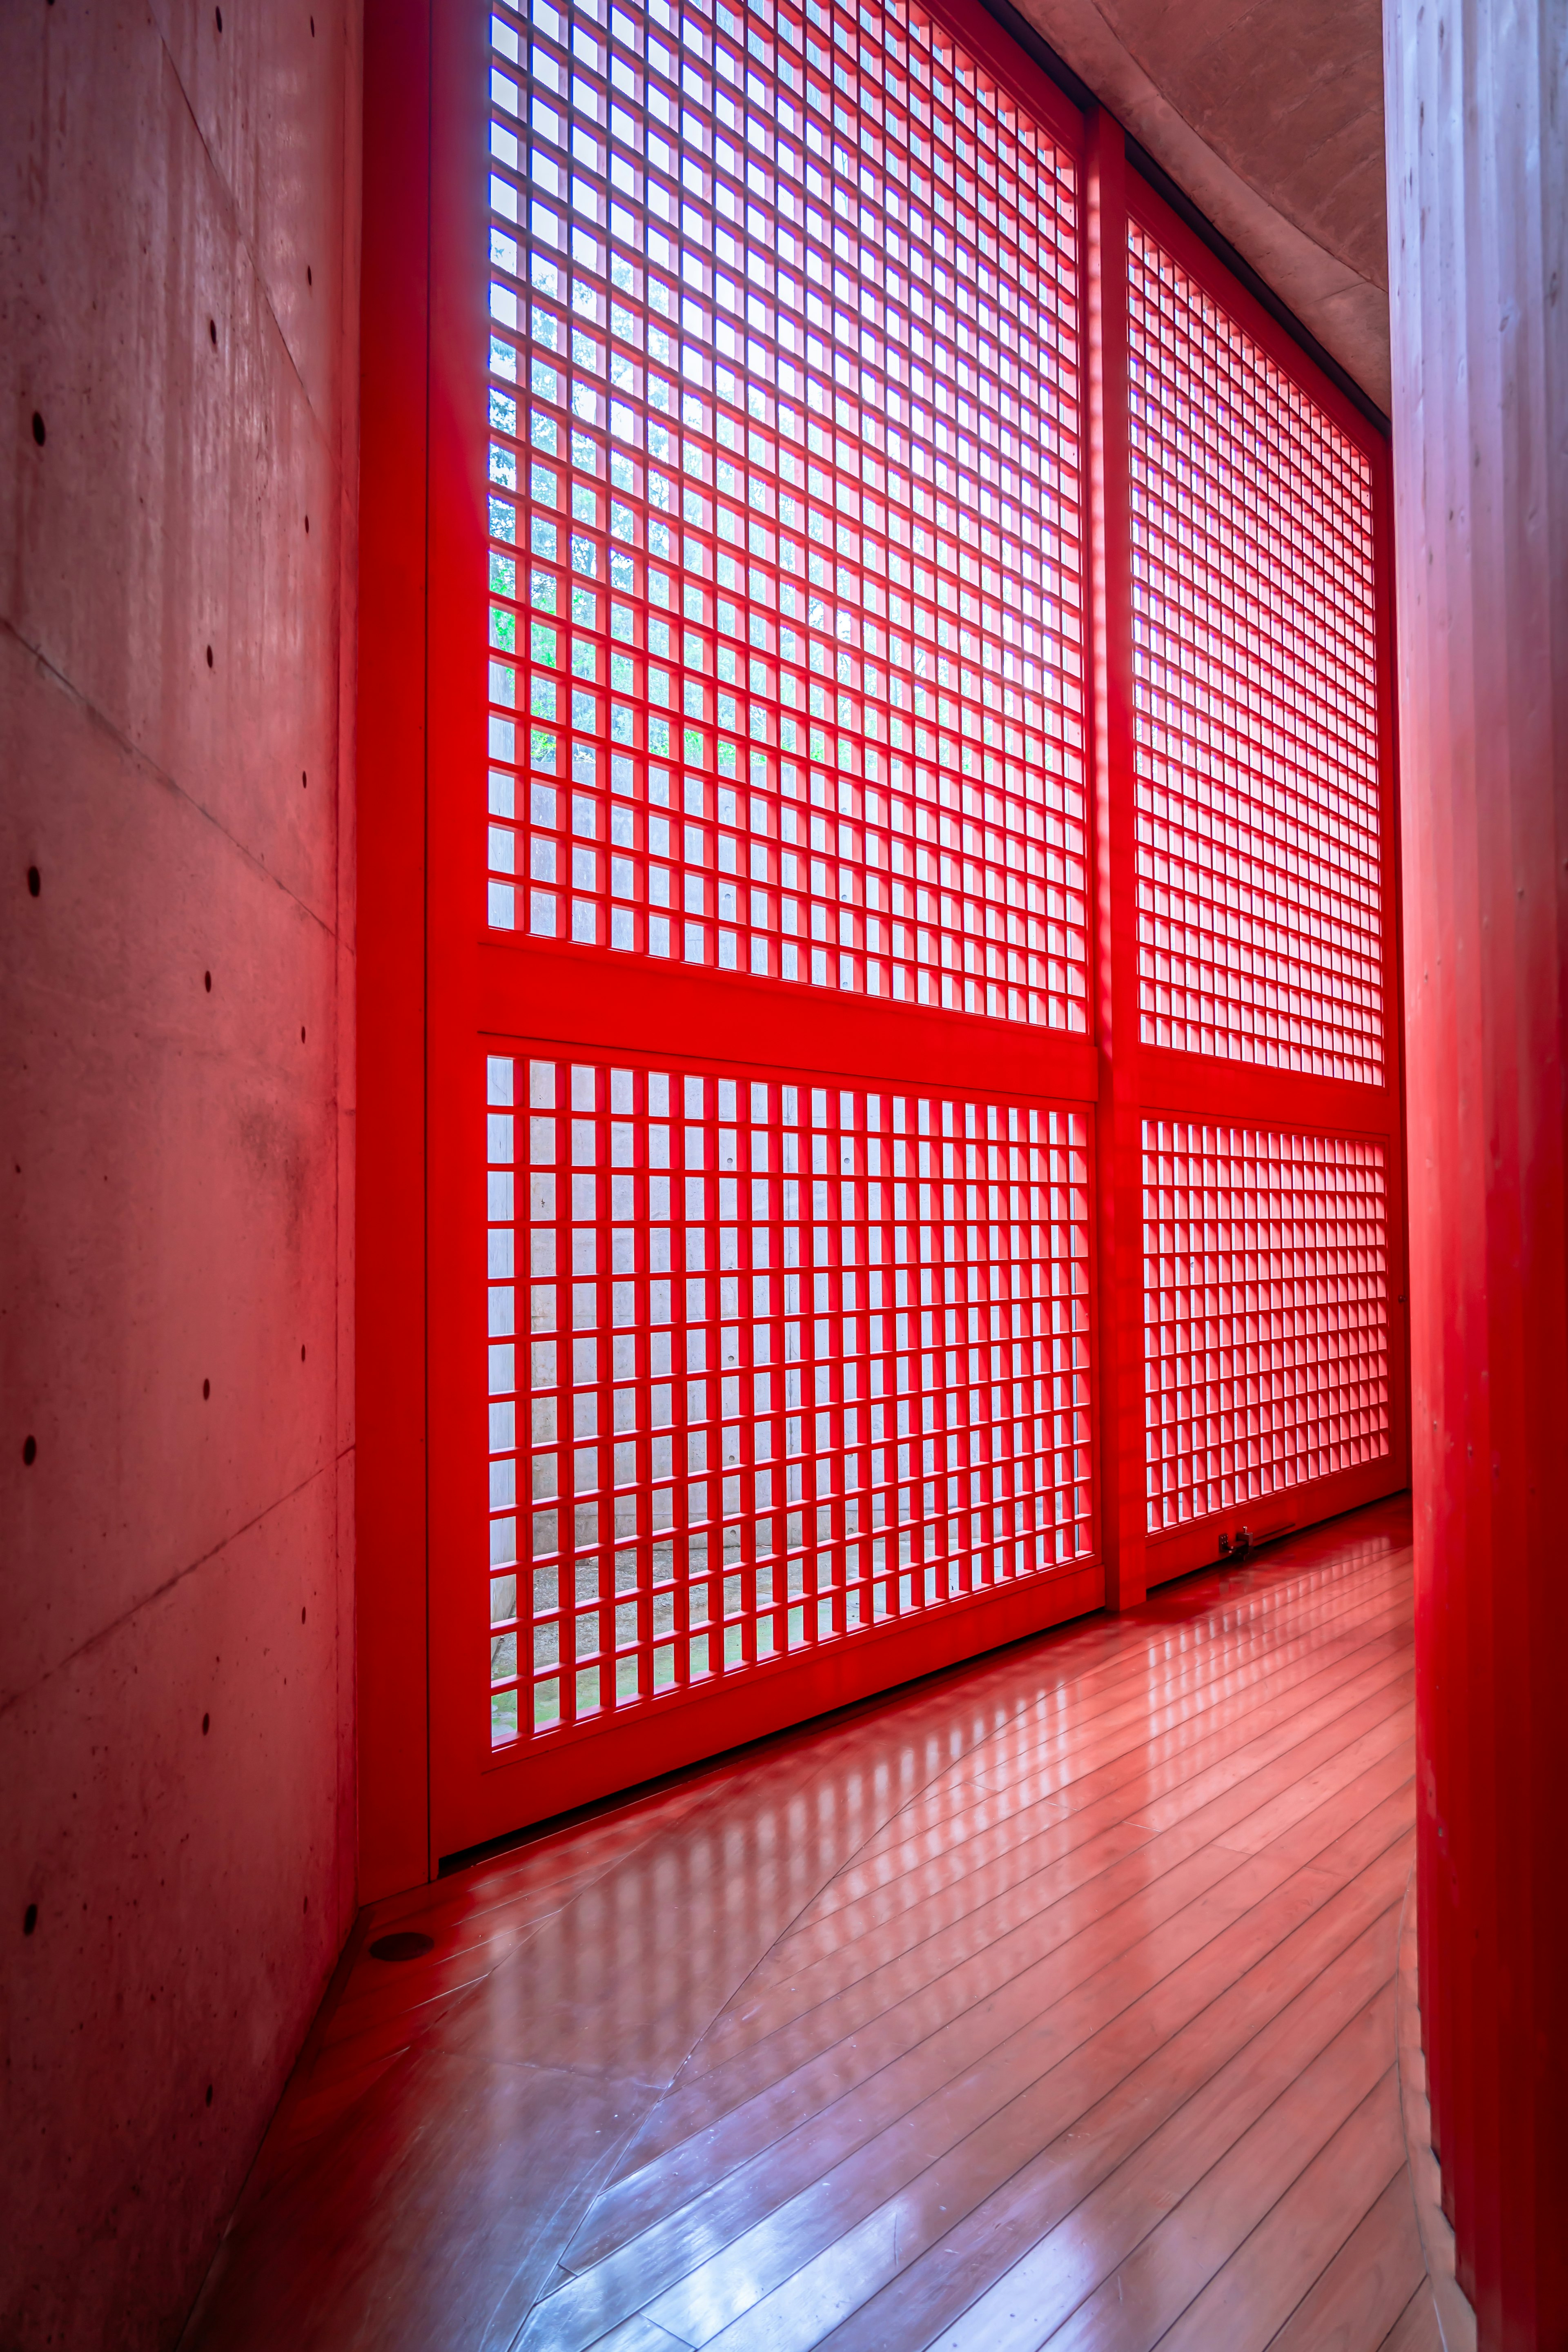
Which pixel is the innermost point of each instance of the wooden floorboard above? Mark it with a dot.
(979, 1860)
(1127, 2034)
(1048, 2002)
(765, 2130)
(1416, 2328)
(1369, 2283)
(1251, 2035)
(977, 2024)
(973, 1958)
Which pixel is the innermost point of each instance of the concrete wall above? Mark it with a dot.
(178, 256)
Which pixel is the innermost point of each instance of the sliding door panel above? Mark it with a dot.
(788, 804)
(1268, 969)
(773, 948)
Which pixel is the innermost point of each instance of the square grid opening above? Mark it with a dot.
(1254, 698)
(1265, 1312)
(787, 610)
(772, 1359)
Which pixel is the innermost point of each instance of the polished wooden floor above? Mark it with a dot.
(1050, 2001)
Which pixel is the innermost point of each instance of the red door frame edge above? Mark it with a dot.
(392, 1600)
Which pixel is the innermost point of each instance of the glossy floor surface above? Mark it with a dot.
(1051, 2002)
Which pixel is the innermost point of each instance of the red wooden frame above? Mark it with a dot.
(442, 992)
(390, 1203)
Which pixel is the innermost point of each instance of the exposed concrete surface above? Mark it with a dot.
(178, 260)
(1270, 117)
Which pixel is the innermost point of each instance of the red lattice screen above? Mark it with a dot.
(770, 1362)
(1255, 678)
(785, 541)
(810, 945)
(1261, 934)
(1265, 1305)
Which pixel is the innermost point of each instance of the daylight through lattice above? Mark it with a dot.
(1254, 692)
(771, 1363)
(1266, 1312)
(785, 550)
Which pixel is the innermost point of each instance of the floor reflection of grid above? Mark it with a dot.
(1051, 2002)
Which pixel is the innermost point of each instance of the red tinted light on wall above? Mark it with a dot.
(772, 1361)
(786, 629)
(1266, 1312)
(1256, 698)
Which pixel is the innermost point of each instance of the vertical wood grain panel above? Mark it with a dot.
(1478, 202)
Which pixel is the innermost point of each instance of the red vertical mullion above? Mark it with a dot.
(390, 1453)
(1392, 961)
(1118, 1160)
(453, 843)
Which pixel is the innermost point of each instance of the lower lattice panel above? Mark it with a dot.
(771, 1362)
(1265, 1312)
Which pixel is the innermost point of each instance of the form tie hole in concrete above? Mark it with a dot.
(38, 428)
(407, 1944)
(29, 1918)
(29, 1450)
(207, 1390)
(35, 883)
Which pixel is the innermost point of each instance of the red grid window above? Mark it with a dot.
(1265, 1313)
(786, 629)
(1255, 695)
(771, 1361)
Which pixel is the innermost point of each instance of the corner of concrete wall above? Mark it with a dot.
(178, 378)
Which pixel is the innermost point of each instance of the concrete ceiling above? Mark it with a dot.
(1269, 114)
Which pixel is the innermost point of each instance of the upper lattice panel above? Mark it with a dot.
(1254, 693)
(787, 637)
